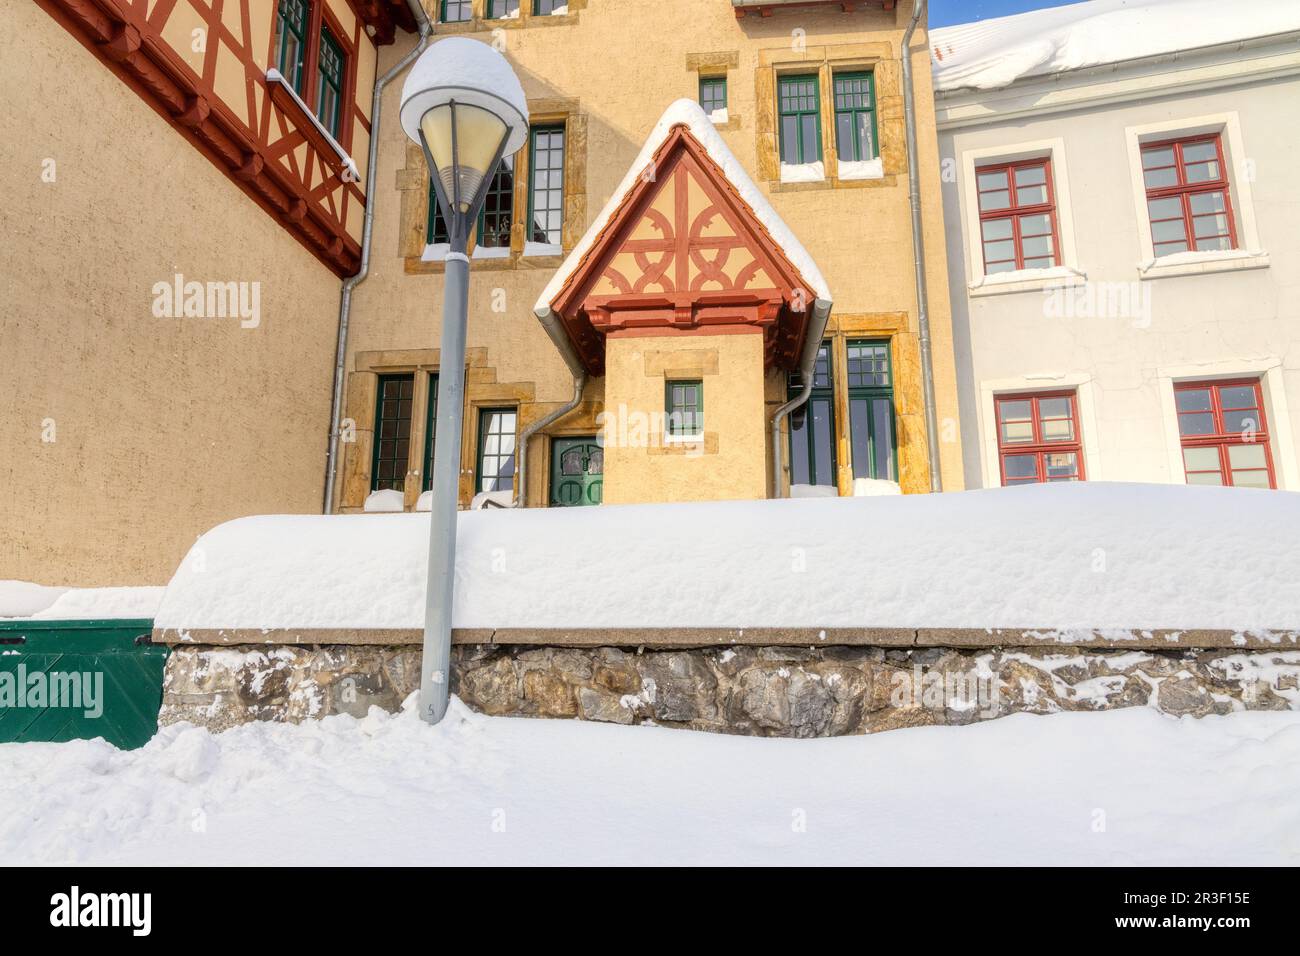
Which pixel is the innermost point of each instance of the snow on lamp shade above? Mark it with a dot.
(489, 107)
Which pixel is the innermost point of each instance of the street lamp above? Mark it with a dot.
(463, 104)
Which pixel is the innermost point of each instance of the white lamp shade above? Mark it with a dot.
(473, 74)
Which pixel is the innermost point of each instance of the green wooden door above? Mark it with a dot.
(577, 472)
(70, 680)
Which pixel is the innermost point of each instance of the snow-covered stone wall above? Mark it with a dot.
(756, 691)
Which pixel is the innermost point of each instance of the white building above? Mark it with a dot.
(1123, 228)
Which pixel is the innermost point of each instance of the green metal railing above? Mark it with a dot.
(71, 680)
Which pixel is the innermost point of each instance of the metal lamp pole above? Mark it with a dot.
(435, 671)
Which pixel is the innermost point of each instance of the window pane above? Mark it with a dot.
(1196, 424)
(1204, 226)
(1202, 172)
(1170, 248)
(1031, 195)
(1037, 225)
(1020, 469)
(1037, 246)
(1061, 466)
(1170, 230)
(1247, 456)
(1251, 479)
(990, 181)
(393, 424)
(1201, 459)
(882, 429)
(1204, 478)
(995, 200)
(822, 438)
(809, 146)
(1192, 399)
(1237, 396)
(1240, 422)
(546, 191)
(1206, 202)
(1160, 156)
(996, 229)
(1199, 152)
(860, 437)
(1170, 207)
(790, 140)
(1015, 421)
(1156, 178)
(999, 252)
(1031, 176)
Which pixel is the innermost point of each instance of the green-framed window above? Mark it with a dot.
(430, 431)
(392, 432)
(330, 71)
(713, 93)
(456, 11)
(496, 449)
(799, 112)
(498, 9)
(684, 408)
(291, 40)
(812, 427)
(872, 437)
(855, 116)
(435, 230)
(544, 8)
(497, 214)
(546, 184)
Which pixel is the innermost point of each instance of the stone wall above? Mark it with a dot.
(757, 691)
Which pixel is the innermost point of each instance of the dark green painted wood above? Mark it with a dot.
(132, 675)
(577, 472)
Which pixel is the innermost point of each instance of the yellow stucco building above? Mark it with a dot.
(657, 271)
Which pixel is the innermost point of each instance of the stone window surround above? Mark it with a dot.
(723, 64)
(413, 184)
(480, 21)
(667, 365)
(877, 57)
(1068, 271)
(1085, 396)
(1270, 373)
(909, 416)
(1250, 254)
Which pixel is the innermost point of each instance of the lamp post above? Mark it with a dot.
(463, 104)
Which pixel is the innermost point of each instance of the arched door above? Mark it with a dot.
(577, 472)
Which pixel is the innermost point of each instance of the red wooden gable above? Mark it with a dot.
(684, 253)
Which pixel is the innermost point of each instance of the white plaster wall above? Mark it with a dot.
(1238, 322)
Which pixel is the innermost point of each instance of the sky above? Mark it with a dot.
(944, 13)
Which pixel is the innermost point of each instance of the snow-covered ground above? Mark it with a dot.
(1124, 787)
(21, 599)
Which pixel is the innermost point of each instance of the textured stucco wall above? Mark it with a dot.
(860, 237)
(1123, 360)
(729, 463)
(162, 427)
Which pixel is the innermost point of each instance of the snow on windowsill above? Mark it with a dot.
(720, 116)
(803, 172)
(1026, 280)
(21, 600)
(488, 500)
(1195, 263)
(695, 439)
(875, 488)
(543, 249)
(436, 252)
(275, 76)
(813, 491)
(386, 501)
(863, 169)
(491, 252)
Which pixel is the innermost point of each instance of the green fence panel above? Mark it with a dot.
(72, 680)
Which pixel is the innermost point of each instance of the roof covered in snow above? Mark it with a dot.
(688, 113)
(1091, 555)
(995, 53)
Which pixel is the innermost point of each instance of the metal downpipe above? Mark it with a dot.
(918, 249)
(551, 323)
(345, 300)
(821, 314)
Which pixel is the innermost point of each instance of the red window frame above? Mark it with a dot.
(1014, 211)
(1183, 190)
(1222, 440)
(1039, 447)
(319, 16)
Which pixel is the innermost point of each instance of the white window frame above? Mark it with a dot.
(1269, 371)
(1251, 254)
(1067, 272)
(987, 418)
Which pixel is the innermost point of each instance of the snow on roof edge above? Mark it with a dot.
(690, 114)
(995, 53)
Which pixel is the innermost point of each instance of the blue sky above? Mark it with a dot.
(944, 13)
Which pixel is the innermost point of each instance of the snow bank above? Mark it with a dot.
(19, 599)
(1067, 556)
(1020, 790)
(995, 53)
(384, 501)
(690, 114)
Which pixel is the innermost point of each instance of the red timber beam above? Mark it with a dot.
(111, 31)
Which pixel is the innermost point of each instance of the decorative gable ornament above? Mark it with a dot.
(686, 244)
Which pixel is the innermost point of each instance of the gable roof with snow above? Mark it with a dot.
(993, 54)
(686, 240)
